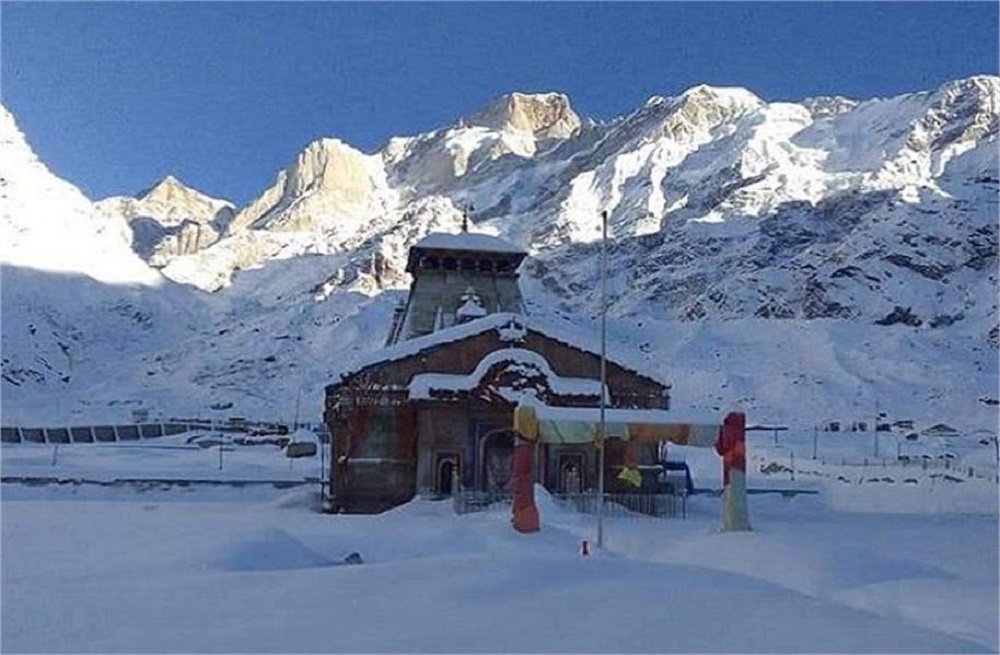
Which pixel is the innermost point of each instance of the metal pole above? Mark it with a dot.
(996, 446)
(322, 466)
(298, 401)
(815, 431)
(875, 427)
(604, 378)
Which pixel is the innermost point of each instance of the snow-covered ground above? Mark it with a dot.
(91, 568)
(172, 458)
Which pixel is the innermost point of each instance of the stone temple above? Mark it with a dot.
(434, 407)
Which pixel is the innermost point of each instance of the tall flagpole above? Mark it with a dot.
(604, 377)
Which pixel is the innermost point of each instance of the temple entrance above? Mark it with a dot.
(496, 453)
(571, 474)
(447, 463)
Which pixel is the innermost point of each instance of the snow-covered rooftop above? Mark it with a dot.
(467, 241)
(503, 321)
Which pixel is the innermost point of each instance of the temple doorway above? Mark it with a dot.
(447, 464)
(496, 455)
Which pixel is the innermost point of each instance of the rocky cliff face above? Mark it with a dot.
(327, 183)
(544, 116)
(169, 219)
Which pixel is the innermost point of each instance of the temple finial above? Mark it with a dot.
(465, 219)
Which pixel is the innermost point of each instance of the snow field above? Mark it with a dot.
(139, 575)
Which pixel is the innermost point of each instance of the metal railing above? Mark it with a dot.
(111, 433)
(894, 464)
(617, 505)
(470, 500)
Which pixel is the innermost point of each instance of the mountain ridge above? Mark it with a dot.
(822, 218)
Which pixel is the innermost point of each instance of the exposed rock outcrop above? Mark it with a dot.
(169, 219)
(543, 115)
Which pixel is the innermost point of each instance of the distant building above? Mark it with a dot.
(436, 404)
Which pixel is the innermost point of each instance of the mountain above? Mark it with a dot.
(49, 225)
(169, 219)
(72, 288)
(820, 256)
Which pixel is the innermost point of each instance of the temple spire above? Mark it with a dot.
(465, 217)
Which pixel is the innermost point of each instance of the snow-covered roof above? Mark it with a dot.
(502, 321)
(525, 361)
(467, 241)
(941, 429)
(472, 307)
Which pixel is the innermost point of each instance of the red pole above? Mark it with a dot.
(732, 446)
(525, 514)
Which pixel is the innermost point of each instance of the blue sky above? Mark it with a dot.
(114, 96)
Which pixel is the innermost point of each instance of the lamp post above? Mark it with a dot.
(604, 381)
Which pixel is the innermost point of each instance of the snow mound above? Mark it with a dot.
(270, 550)
(549, 507)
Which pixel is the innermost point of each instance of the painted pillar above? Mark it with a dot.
(524, 514)
(732, 447)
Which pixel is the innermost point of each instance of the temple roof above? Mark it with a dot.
(473, 241)
(443, 243)
(511, 328)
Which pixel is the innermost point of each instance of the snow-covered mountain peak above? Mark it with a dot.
(327, 180)
(519, 124)
(701, 109)
(49, 225)
(170, 201)
(172, 190)
(708, 100)
(329, 165)
(544, 115)
(982, 85)
(970, 105)
(169, 219)
(721, 95)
